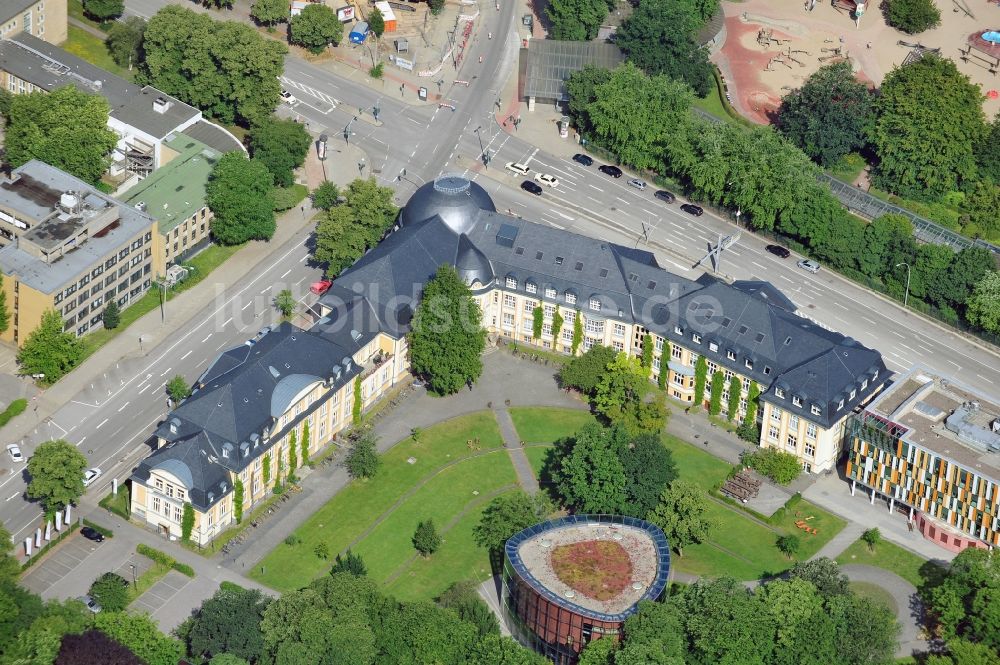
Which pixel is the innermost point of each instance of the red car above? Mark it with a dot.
(321, 287)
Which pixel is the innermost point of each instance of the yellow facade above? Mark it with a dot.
(26, 306)
(46, 19)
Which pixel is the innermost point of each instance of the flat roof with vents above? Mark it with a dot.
(548, 63)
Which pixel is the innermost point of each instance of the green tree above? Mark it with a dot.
(306, 442)
(584, 372)
(376, 22)
(620, 397)
(315, 27)
(824, 574)
(581, 87)
(964, 603)
(178, 389)
(508, 514)
(65, 128)
(346, 231)
(229, 622)
(463, 598)
(681, 514)
(883, 240)
(715, 401)
(735, 393)
(788, 545)
(967, 268)
(225, 68)
(281, 145)
(141, 635)
(665, 355)
(358, 403)
(104, 10)
(435, 6)
(557, 324)
(4, 312)
(322, 550)
(964, 652)
(660, 37)
(981, 203)
(598, 652)
(872, 537)
(239, 193)
(983, 307)
(111, 316)
(269, 12)
(284, 302)
(748, 427)
(227, 659)
(829, 116)
(988, 155)
(124, 41)
(326, 195)
(577, 333)
(187, 522)
(912, 16)
(426, 539)
(647, 354)
(700, 375)
(110, 590)
(363, 460)
(537, 321)
(588, 473)
(350, 563)
(293, 452)
(266, 469)
(779, 466)
(927, 102)
(649, 470)
(56, 471)
(575, 20)
(447, 337)
(238, 500)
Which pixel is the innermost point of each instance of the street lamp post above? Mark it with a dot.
(482, 149)
(906, 294)
(132, 566)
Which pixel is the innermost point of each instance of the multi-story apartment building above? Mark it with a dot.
(143, 117)
(746, 329)
(930, 445)
(175, 195)
(72, 248)
(45, 19)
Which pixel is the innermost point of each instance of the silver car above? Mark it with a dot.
(638, 184)
(15, 452)
(90, 603)
(808, 265)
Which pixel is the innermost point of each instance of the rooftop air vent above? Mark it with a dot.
(506, 235)
(355, 335)
(161, 105)
(275, 373)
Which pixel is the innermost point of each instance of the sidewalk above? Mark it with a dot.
(525, 475)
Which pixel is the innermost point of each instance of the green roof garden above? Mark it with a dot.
(176, 190)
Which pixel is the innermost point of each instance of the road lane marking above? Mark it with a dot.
(122, 408)
(286, 274)
(897, 334)
(14, 496)
(595, 187)
(228, 321)
(206, 338)
(249, 304)
(144, 389)
(102, 423)
(985, 379)
(866, 319)
(187, 354)
(846, 309)
(265, 290)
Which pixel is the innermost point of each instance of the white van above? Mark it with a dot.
(520, 169)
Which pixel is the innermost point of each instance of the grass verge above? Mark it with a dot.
(117, 503)
(546, 425)
(876, 594)
(91, 48)
(913, 568)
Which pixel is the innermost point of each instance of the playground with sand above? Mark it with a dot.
(773, 46)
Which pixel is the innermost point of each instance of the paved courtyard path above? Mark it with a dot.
(512, 442)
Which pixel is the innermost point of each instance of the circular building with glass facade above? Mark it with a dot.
(575, 579)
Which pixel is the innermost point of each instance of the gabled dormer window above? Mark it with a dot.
(748, 363)
(853, 393)
(530, 287)
(778, 392)
(731, 355)
(815, 410)
(696, 338)
(678, 330)
(864, 384)
(712, 346)
(796, 400)
(595, 304)
(511, 283)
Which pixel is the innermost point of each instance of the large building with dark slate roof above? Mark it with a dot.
(240, 419)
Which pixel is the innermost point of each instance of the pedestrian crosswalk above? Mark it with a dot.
(309, 90)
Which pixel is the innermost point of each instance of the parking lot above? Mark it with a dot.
(160, 594)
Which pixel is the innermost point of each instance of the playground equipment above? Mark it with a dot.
(983, 49)
(765, 37)
(853, 9)
(960, 6)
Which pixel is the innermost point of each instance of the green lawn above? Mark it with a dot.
(703, 469)
(827, 525)
(82, 44)
(545, 425)
(875, 593)
(355, 508)
(536, 457)
(911, 567)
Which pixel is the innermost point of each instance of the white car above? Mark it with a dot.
(808, 266)
(90, 475)
(520, 169)
(287, 97)
(638, 184)
(547, 179)
(15, 452)
(90, 603)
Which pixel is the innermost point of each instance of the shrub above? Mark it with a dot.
(107, 533)
(322, 550)
(376, 71)
(781, 467)
(15, 408)
(426, 539)
(156, 555)
(292, 540)
(912, 16)
(110, 590)
(183, 568)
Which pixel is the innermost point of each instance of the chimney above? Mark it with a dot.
(160, 105)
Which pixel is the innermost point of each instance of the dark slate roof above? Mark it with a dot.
(214, 137)
(194, 461)
(10, 9)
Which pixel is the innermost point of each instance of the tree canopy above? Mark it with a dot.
(681, 514)
(660, 38)
(829, 116)
(65, 128)
(141, 635)
(48, 350)
(508, 514)
(447, 337)
(56, 471)
(281, 145)
(348, 229)
(224, 68)
(110, 590)
(124, 41)
(269, 12)
(239, 194)
(575, 20)
(584, 372)
(912, 16)
(620, 397)
(927, 102)
(965, 603)
(983, 306)
(229, 622)
(315, 27)
(104, 10)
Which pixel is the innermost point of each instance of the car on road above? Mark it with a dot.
(692, 209)
(532, 187)
(287, 97)
(520, 169)
(90, 603)
(779, 251)
(93, 534)
(585, 160)
(808, 265)
(547, 179)
(665, 196)
(90, 475)
(321, 287)
(638, 184)
(15, 453)
(612, 171)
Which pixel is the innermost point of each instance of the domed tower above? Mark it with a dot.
(454, 198)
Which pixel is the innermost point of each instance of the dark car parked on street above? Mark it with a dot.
(778, 251)
(665, 196)
(532, 187)
(586, 160)
(692, 209)
(92, 534)
(612, 171)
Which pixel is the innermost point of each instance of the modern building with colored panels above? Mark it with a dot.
(572, 580)
(930, 445)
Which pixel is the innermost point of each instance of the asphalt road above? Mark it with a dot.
(113, 418)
